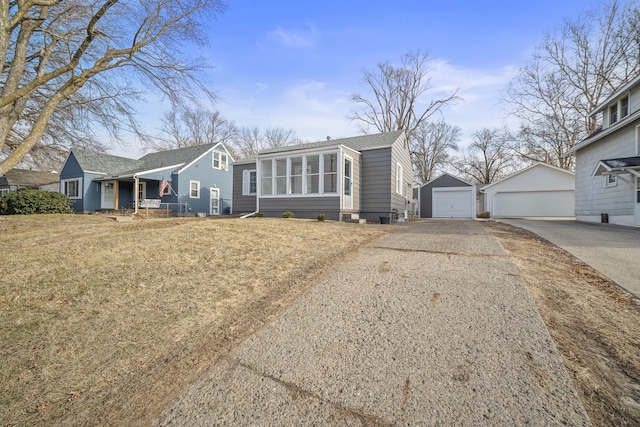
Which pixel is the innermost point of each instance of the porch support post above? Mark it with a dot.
(116, 191)
(135, 194)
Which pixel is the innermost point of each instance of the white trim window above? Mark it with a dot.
(249, 182)
(4, 192)
(399, 180)
(71, 188)
(220, 161)
(194, 189)
(300, 175)
(610, 180)
(619, 110)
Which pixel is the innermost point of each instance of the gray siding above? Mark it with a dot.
(592, 197)
(376, 184)
(400, 154)
(242, 204)
(443, 181)
(302, 207)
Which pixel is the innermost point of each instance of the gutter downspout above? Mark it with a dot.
(135, 194)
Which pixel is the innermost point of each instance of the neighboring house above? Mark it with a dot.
(198, 180)
(367, 177)
(608, 161)
(447, 197)
(19, 179)
(540, 190)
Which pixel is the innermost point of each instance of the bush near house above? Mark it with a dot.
(321, 217)
(28, 202)
(483, 215)
(287, 214)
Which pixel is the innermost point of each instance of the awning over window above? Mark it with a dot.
(618, 166)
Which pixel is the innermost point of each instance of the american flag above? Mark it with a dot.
(163, 186)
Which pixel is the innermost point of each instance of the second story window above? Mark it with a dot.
(613, 114)
(624, 107)
(220, 161)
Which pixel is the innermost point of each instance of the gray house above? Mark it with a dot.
(367, 177)
(19, 179)
(608, 162)
(186, 180)
(447, 197)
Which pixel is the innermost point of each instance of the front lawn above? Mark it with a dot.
(104, 322)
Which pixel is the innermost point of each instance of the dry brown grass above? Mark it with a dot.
(104, 322)
(594, 323)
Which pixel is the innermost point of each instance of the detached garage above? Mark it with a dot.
(541, 190)
(447, 197)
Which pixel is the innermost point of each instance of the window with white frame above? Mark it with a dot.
(330, 172)
(610, 180)
(194, 189)
(619, 110)
(4, 191)
(220, 161)
(71, 187)
(313, 174)
(399, 186)
(249, 182)
(266, 180)
(299, 175)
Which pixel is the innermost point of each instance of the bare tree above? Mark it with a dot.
(397, 96)
(488, 158)
(69, 67)
(187, 127)
(572, 72)
(431, 148)
(250, 140)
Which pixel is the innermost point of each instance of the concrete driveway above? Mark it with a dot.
(431, 325)
(612, 250)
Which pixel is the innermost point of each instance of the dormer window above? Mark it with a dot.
(613, 114)
(624, 107)
(619, 110)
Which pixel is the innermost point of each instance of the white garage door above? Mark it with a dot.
(454, 202)
(534, 203)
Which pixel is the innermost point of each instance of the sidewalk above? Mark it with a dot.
(430, 325)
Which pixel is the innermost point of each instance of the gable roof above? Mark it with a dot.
(114, 166)
(521, 171)
(447, 175)
(624, 165)
(28, 178)
(358, 143)
(623, 89)
(103, 163)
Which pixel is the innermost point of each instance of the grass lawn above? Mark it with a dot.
(104, 322)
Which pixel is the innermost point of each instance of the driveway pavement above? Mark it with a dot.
(612, 250)
(431, 325)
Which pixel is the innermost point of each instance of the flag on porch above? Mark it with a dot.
(163, 186)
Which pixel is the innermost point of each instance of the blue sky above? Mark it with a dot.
(293, 64)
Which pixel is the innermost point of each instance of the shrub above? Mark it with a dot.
(483, 215)
(321, 217)
(258, 215)
(28, 202)
(287, 214)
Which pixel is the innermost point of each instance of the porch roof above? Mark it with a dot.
(617, 166)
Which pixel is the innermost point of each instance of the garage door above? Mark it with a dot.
(534, 203)
(455, 202)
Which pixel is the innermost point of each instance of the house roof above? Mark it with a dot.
(91, 161)
(624, 165)
(28, 178)
(114, 166)
(521, 171)
(358, 143)
(601, 133)
(446, 174)
(625, 88)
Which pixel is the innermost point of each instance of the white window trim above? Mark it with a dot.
(220, 157)
(246, 182)
(608, 183)
(197, 189)
(79, 184)
(321, 174)
(618, 109)
(399, 179)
